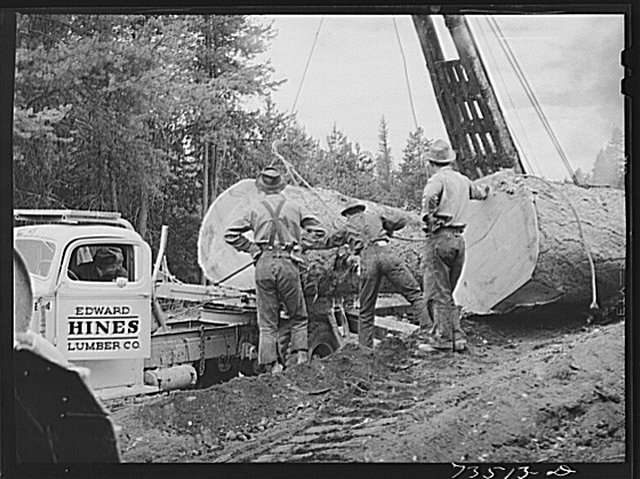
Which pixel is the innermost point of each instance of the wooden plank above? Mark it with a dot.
(388, 323)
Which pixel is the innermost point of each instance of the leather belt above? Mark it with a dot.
(455, 229)
(275, 253)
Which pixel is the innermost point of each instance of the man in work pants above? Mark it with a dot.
(368, 235)
(277, 225)
(445, 197)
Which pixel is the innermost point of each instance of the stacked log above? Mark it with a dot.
(525, 244)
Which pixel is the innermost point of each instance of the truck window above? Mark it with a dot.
(38, 255)
(101, 262)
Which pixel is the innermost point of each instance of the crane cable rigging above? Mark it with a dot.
(306, 68)
(525, 157)
(495, 28)
(295, 176)
(406, 73)
(290, 169)
(512, 60)
(293, 173)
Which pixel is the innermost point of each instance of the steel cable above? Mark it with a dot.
(532, 98)
(509, 97)
(594, 297)
(406, 73)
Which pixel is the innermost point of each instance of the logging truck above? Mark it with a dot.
(128, 334)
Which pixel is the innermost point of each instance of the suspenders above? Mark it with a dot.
(276, 223)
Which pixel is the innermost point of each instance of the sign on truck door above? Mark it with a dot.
(103, 301)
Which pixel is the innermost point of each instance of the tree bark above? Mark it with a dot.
(143, 215)
(523, 244)
(113, 186)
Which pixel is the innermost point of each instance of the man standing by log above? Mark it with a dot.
(368, 236)
(445, 197)
(277, 225)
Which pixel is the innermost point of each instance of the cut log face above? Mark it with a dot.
(501, 241)
(523, 245)
(218, 259)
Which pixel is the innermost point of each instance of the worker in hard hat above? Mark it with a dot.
(445, 197)
(368, 235)
(278, 226)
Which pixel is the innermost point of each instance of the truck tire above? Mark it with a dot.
(216, 371)
(322, 341)
(250, 367)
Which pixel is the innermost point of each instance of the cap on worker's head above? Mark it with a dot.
(108, 256)
(22, 294)
(270, 181)
(440, 152)
(353, 207)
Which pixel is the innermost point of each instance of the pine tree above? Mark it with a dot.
(609, 167)
(113, 112)
(412, 176)
(383, 159)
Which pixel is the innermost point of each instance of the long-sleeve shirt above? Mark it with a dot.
(287, 232)
(446, 195)
(363, 229)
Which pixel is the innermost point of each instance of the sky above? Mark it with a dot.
(356, 76)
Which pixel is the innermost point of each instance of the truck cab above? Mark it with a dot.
(115, 326)
(96, 323)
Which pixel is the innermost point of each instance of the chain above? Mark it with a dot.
(201, 365)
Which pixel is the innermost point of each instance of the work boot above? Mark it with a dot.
(303, 358)
(442, 345)
(460, 345)
(274, 368)
(427, 348)
(436, 344)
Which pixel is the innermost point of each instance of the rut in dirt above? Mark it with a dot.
(400, 405)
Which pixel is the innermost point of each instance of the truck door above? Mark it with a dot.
(103, 300)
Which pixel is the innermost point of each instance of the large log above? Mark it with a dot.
(524, 245)
(562, 224)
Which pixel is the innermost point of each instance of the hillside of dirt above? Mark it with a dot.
(530, 389)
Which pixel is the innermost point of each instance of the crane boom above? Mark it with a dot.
(472, 115)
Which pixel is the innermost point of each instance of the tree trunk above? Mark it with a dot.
(143, 215)
(523, 244)
(113, 186)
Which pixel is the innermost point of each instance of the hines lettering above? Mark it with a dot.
(103, 327)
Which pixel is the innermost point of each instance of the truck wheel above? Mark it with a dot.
(250, 367)
(322, 341)
(215, 371)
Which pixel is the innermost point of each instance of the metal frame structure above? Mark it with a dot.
(470, 110)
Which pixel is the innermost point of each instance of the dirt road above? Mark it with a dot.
(531, 389)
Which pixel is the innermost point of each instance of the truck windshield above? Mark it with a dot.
(38, 254)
